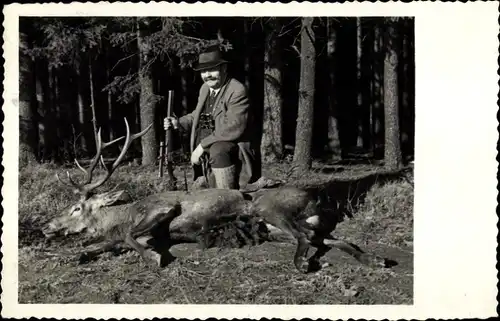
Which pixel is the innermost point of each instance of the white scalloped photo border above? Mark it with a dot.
(456, 51)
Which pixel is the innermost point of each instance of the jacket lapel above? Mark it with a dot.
(217, 105)
(217, 108)
(196, 116)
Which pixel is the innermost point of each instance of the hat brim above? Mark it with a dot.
(208, 65)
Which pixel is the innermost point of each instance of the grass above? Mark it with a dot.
(385, 217)
(263, 274)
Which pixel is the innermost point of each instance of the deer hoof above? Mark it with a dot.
(84, 258)
(378, 262)
(388, 263)
(314, 265)
(302, 265)
(152, 259)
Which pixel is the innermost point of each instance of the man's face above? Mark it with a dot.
(214, 77)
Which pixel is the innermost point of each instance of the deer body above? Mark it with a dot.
(301, 215)
(173, 217)
(163, 219)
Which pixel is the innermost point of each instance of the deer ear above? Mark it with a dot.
(114, 198)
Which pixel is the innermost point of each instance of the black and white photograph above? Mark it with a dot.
(218, 159)
(227, 133)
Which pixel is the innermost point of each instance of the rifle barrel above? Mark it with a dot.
(168, 139)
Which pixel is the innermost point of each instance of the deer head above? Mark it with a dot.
(81, 216)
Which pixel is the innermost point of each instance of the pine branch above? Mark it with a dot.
(123, 59)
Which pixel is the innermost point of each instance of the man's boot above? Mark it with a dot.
(226, 177)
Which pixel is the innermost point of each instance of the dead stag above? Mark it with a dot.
(151, 225)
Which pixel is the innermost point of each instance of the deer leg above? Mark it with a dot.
(148, 257)
(357, 253)
(146, 226)
(255, 230)
(303, 245)
(314, 260)
(97, 250)
(299, 259)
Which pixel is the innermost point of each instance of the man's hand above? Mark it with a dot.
(169, 122)
(196, 155)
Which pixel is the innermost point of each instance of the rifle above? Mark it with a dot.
(162, 155)
(167, 144)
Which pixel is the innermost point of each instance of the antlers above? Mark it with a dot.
(86, 187)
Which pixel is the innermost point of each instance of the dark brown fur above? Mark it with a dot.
(300, 214)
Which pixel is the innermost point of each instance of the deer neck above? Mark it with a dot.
(111, 218)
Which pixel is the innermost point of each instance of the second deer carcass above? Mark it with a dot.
(151, 225)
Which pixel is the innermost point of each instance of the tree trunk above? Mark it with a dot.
(92, 99)
(185, 91)
(407, 81)
(41, 112)
(51, 117)
(27, 124)
(392, 151)
(247, 44)
(147, 103)
(111, 134)
(333, 127)
(66, 96)
(81, 108)
(377, 113)
(271, 143)
(359, 52)
(60, 137)
(366, 64)
(303, 136)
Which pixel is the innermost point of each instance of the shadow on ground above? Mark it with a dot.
(348, 194)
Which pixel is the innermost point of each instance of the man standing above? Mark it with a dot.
(219, 125)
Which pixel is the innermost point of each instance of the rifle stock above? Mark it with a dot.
(162, 155)
(169, 142)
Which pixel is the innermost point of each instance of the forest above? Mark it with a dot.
(321, 88)
(333, 100)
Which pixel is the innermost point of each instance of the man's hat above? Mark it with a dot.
(210, 58)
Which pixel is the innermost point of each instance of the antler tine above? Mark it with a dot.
(125, 147)
(86, 187)
(100, 146)
(75, 187)
(72, 182)
(103, 163)
(104, 145)
(63, 182)
(135, 136)
(116, 163)
(128, 142)
(88, 173)
(80, 167)
(96, 157)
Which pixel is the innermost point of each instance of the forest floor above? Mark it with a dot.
(382, 223)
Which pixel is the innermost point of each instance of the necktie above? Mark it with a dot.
(212, 98)
(211, 101)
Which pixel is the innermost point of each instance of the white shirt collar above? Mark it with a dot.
(218, 89)
(215, 90)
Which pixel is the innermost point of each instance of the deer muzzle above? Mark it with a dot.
(51, 231)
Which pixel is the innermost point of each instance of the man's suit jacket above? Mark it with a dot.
(232, 116)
